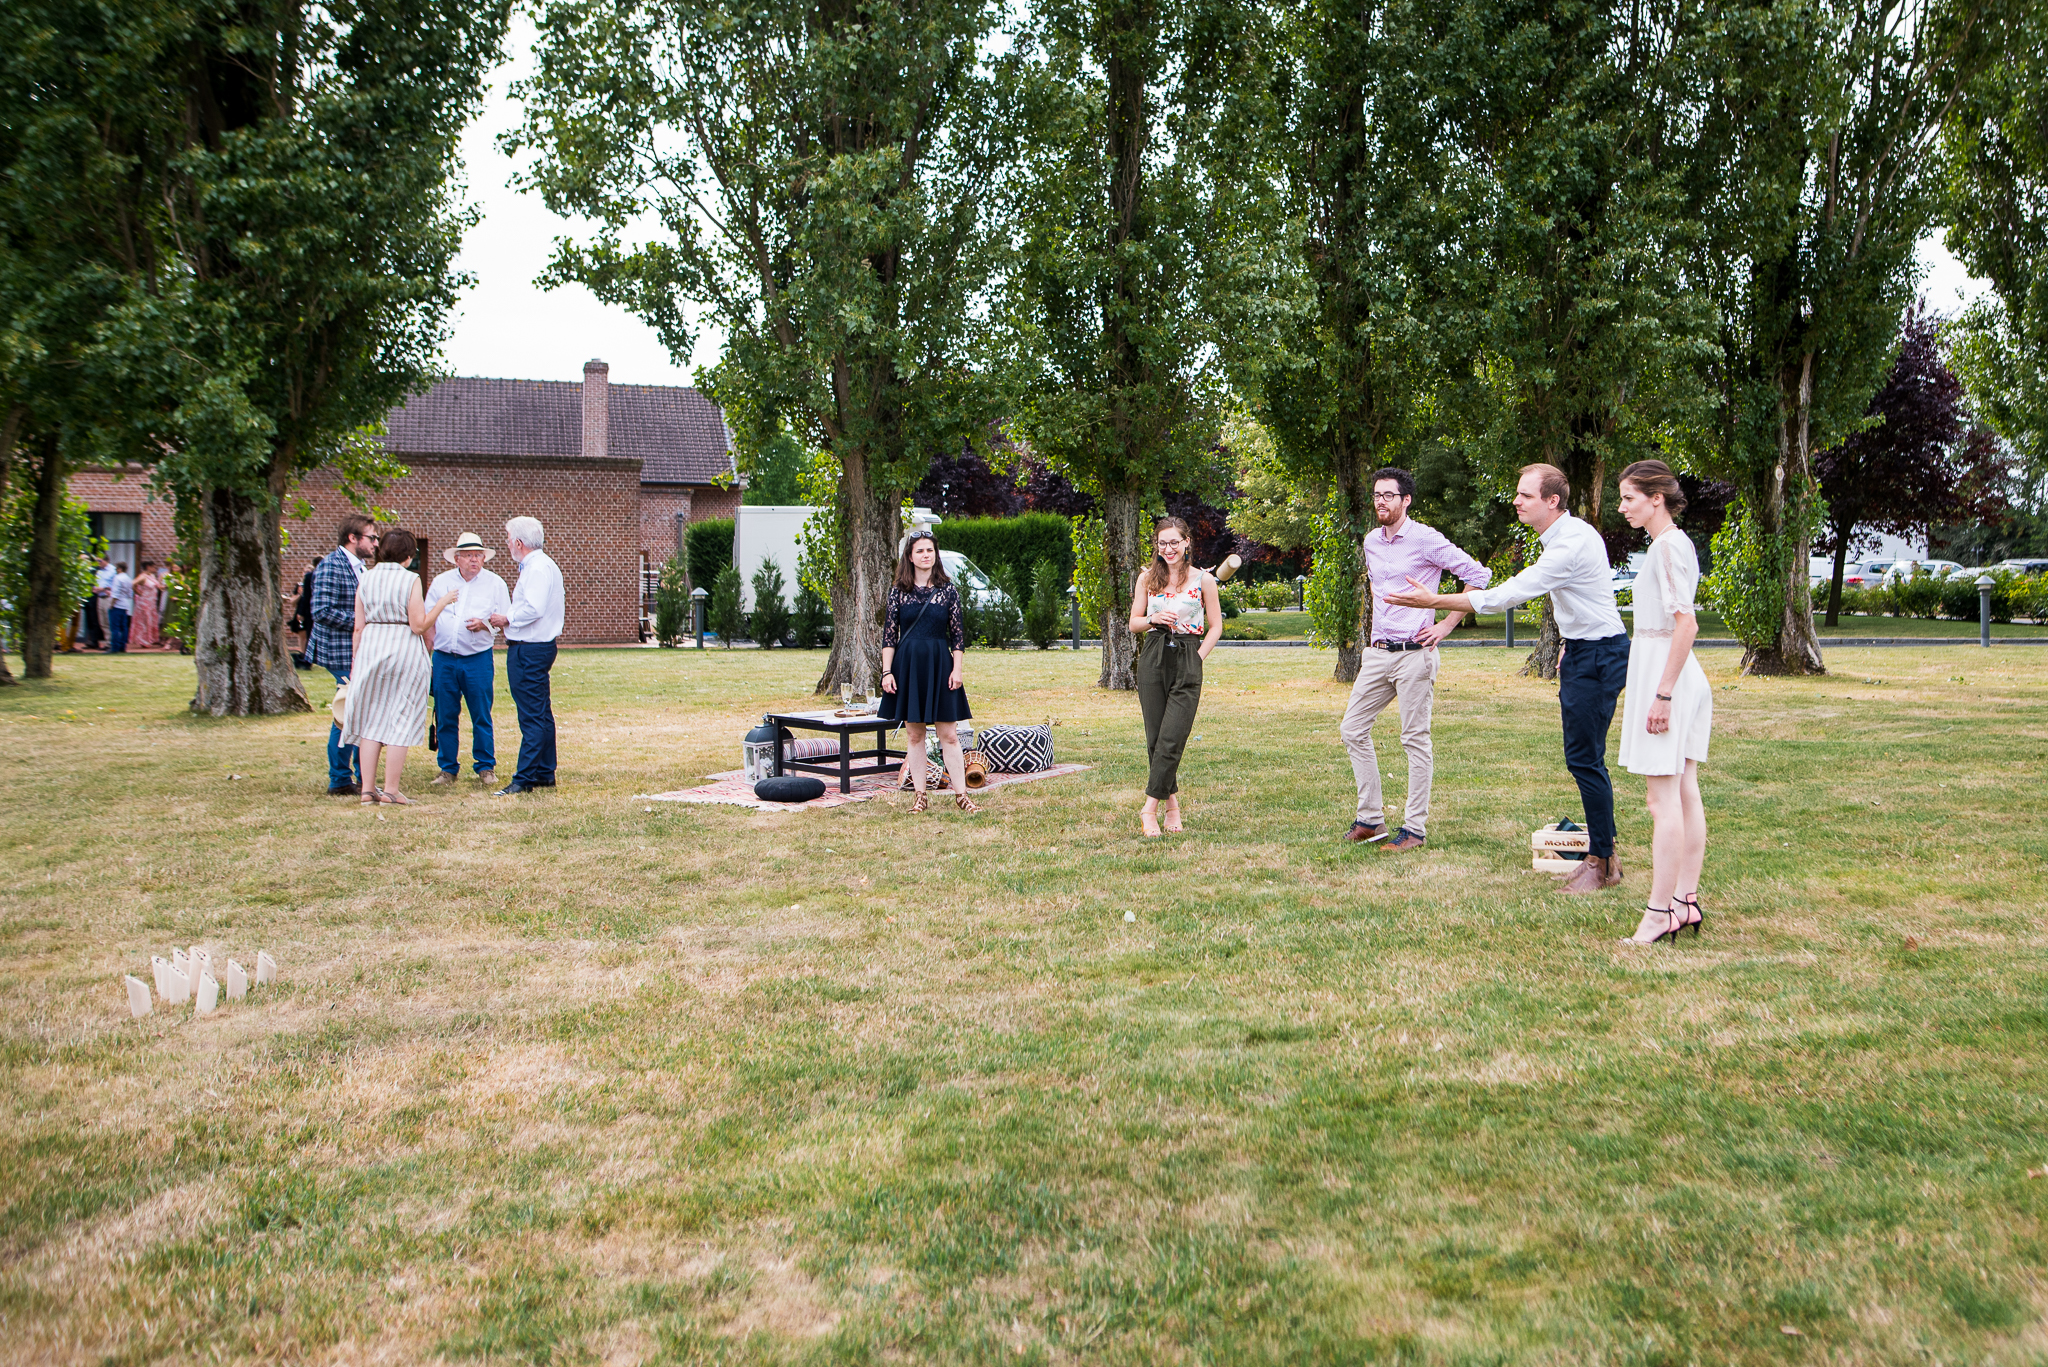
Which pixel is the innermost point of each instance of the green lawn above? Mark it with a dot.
(1282, 626)
(581, 1078)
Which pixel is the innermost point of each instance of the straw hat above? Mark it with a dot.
(468, 541)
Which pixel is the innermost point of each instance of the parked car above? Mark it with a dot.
(1904, 569)
(2025, 565)
(971, 581)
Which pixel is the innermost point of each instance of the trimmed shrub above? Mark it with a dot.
(1042, 616)
(811, 624)
(1013, 543)
(724, 607)
(671, 604)
(770, 620)
(1002, 622)
(707, 549)
(1959, 596)
(972, 622)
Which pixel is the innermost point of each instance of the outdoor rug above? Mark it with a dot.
(733, 790)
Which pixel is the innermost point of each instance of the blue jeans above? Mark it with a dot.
(117, 631)
(526, 673)
(342, 764)
(460, 679)
(1592, 675)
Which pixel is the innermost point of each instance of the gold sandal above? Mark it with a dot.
(923, 801)
(965, 803)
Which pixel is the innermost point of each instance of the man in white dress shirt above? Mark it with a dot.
(1573, 570)
(463, 671)
(531, 625)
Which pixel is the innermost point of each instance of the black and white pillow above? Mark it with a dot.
(1017, 749)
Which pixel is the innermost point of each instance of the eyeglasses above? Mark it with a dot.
(1384, 496)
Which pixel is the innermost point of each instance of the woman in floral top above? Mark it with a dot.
(924, 645)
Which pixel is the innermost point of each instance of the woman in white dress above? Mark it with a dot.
(1668, 711)
(393, 672)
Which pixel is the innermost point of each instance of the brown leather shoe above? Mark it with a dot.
(1361, 831)
(1593, 874)
(1405, 841)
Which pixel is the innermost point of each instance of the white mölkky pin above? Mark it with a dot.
(177, 987)
(138, 996)
(266, 967)
(182, 961)
(208, 995)
(158, 967)
(202, 965)
(237, 981)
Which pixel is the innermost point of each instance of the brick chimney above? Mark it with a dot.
(597, 409)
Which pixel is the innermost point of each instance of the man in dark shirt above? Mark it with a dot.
(331, 643)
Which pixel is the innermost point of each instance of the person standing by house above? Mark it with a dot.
(145, 628)
(463, 669)
(120, 609)
(96, 603)
(390, 672)
(1593, 666)
(331, 643)
(532, 626)
(1175, 606)
(1402, 661)
(1669, 715)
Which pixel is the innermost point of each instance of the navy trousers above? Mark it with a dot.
(460, 679)
(117, 631)
(526, 674)
(343, 763)
(1588, 682)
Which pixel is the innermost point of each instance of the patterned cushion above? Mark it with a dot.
(1017, 749)
(810, 749)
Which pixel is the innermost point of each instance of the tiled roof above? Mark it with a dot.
(676, 434)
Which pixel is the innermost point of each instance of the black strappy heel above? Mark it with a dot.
(1699, 915)
(1671, 934)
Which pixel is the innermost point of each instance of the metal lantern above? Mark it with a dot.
(757, 749)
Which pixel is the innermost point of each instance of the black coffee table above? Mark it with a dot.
(878, 760)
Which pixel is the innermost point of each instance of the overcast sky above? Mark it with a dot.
(511, 328)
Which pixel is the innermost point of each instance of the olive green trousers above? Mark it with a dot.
(1169, 691)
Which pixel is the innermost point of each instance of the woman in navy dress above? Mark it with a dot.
(923, 646)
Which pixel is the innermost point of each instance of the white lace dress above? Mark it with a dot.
(1668, 585)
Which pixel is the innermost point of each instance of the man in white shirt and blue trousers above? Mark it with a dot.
(463, 670)
(1573, 570)
(531, 625)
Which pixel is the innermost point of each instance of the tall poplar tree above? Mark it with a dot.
(1122, 239)
(310, 224)
(822, 173)
(1348, 367)
(1818, 176)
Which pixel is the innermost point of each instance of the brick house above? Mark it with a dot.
(612, 471)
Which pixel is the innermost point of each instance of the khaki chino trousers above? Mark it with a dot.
(1384, 676)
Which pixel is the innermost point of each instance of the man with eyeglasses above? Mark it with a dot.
(1400, 662)
(331, 641)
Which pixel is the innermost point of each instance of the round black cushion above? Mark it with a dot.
(790, 788)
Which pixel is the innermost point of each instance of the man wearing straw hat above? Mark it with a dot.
(462, 657)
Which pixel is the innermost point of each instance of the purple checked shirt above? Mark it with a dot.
(1423, 554)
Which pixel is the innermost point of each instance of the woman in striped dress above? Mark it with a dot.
(388, 686)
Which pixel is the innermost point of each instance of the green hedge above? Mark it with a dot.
(1015, 544)
(707, 549)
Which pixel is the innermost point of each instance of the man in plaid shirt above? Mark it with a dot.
(331, 642)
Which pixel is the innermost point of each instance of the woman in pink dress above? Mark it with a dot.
(146, 621)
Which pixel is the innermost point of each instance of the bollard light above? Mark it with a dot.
(1300, 589)
(1511, 628)
(1985, 583)
(1074, 615)
(698, 598)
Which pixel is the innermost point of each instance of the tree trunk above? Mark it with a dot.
(1124, 555)
(1835, 588)
(243, 665)
(1797, 647)
(1358, 511)
(44, 612)
(869, 525)
(1543, 660)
